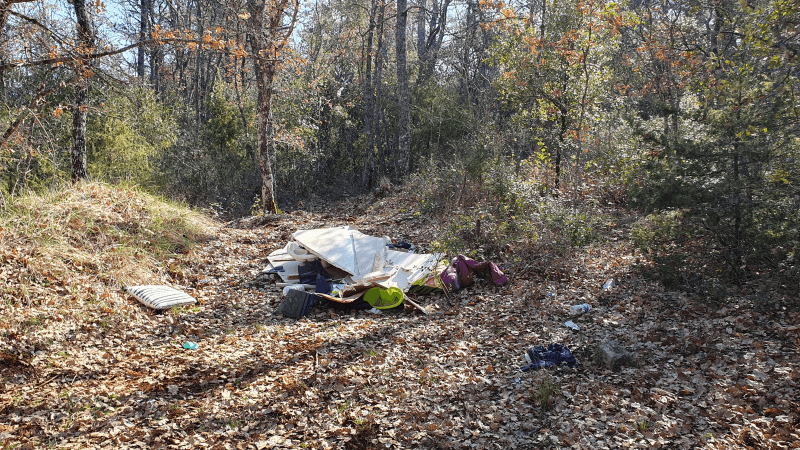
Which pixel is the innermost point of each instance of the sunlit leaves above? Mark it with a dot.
(554, 71)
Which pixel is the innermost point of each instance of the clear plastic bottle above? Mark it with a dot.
(580, 309)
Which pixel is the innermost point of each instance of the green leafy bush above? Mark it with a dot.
(125, 135)
(657, 228)
(503, 209)
(217, 165)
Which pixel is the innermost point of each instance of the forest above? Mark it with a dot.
(687, 110)
(653, 143)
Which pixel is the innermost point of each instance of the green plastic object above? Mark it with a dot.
(384, 298)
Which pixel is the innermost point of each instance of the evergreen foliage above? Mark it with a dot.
(729, 160)
(127, 133)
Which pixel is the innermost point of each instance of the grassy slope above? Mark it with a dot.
(82, 245)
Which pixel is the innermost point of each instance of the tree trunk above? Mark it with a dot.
(377, 83)
(368, 176)
(422, 49)
(156, 60)
(265, 74)
(428, 46)
(142, 36)
(81, 108)
(403, 95)
(562, 134)
(421, 12)
(268, 35)
(4, 7)
(156, 55)
(544, 19)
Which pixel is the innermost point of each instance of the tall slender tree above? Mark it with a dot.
(271, 23)
(86, 40)
(368, 175)
(403, 91)
(143, 35)
(429, 42)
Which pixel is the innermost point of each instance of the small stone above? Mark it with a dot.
(611, 354)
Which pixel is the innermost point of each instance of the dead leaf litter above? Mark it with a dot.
(111, 373)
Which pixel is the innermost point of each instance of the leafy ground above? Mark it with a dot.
(85, 365)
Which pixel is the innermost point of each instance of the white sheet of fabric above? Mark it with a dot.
(160, 297)
(415, 265)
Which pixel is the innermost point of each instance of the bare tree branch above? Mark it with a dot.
(71, 58)
(40, 94)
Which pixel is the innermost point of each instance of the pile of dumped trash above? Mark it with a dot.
(343, 266)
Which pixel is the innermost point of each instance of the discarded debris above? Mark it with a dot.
(296, 304)
(581, 309)
(461, 273)
(160, 297)
(415, 305)
(293, 287)
(571, 324)
(344, 266)
(540, 357)
(381, 298)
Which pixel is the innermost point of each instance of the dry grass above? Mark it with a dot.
(93, 235)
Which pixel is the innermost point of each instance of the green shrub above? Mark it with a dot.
(125, 135)
(577, 227)
(656, 228)
(503, 208)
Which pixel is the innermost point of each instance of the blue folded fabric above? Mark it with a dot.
(308, 272)
(323, 287)
(539, 357)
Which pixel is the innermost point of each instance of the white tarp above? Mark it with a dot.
(366, 258)
(345, 248)
(409, 267)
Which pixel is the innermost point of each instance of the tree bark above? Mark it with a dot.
(3, 18)
(142, 36)
(403, 94)
(4, 5)
(268, 35)
(156, 54)
(377, 82)
(80, 110)
(265, 74)
(428, 46)
(368, 175)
